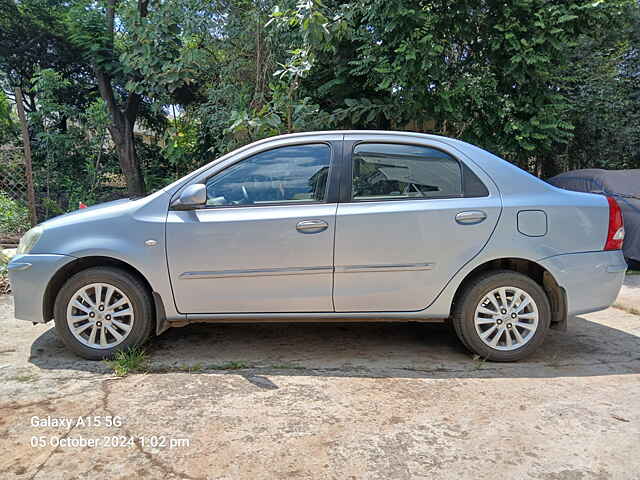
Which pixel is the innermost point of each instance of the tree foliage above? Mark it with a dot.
(492, 73)
(550, 85)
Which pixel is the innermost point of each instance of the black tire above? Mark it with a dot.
(130, 285)
(475, 290)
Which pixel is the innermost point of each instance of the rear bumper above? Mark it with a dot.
(29, 276)
(591, 280)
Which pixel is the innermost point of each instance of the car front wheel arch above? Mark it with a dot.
(102, 310)
(84, 263)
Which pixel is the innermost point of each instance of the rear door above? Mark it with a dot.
(411, 215)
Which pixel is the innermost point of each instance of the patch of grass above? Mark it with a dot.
(236, 365)
(554, 361)
(627, 308)
(285, 366)
(129, 361)
(162, 369)
(197, 367)
(5, 288)
(478, 362)
(30, 377)
(633, 272)
(189, 368)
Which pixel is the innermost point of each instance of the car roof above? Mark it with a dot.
(400, 133)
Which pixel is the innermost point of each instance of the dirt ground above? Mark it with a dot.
(629, 296)
(336, 402)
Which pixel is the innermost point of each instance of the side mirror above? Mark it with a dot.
(193, 196)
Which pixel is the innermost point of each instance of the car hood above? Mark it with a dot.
(110, 208)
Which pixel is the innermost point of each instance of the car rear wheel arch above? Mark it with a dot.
(555, 293)
(503, 316)
(84, 263)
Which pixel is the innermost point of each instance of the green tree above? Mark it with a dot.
(33, 36)
(8, 123)
(140, 52)
(605, 100)
(493, 73)
(547, 84)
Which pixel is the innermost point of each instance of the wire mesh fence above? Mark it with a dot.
(14, 198)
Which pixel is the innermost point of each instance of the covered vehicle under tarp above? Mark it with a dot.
(624, 186)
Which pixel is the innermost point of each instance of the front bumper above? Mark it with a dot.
(29, 276)
(591, 280)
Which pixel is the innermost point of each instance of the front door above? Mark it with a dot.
(264, 242)
(414, 216)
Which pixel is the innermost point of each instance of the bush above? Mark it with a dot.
(4, 275)
(14, 217)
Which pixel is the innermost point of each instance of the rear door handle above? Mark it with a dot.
(312, 226)
(470, 217)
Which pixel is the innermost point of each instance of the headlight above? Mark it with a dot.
(29, 240)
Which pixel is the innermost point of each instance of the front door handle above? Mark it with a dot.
(470, 217)
(312, 226)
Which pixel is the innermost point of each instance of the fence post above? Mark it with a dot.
(27, 157)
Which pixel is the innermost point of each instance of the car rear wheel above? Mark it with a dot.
(502, 316)
(102, 310)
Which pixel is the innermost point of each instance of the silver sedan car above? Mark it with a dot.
(342, 226)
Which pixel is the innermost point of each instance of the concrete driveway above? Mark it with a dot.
(338, 402)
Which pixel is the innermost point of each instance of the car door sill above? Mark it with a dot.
(306, 317)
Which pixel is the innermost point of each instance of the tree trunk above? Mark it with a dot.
(26, 142)
(122, 136)
(123, 119)
(121, 130)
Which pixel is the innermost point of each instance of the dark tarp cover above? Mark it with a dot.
(623, 185)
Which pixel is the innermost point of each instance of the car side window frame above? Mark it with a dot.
(346, 183)
(331, 189)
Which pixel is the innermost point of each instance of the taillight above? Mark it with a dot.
(615, 235)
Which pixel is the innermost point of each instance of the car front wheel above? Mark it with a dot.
(502, 316)
(102, 310)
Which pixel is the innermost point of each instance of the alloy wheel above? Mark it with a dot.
(506, 318)
(100, 315)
